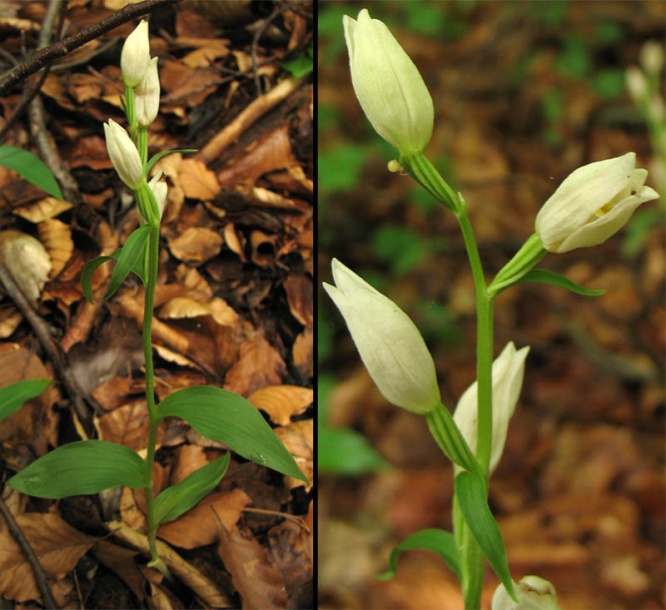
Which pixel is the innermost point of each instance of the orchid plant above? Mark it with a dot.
(592, 204)
(90, 466)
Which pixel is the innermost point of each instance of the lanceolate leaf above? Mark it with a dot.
(83, 467)
(179, 498)
(131, 261)
(14, 396)
(31, 168)
(470, 492)
(433, 539)
(229, 418)
(130, 256)
(449, 438)
(542, 276)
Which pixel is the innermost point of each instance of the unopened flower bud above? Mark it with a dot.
(534, 593)
(147, 95)
(124, 155)
(388, 85)
(159, 189)
(507, 376)
(592, 204)
(135, 55)
(390, 345)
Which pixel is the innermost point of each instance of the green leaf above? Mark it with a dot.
(179, 498)
(346, 451)
(436, 540)
(154, 159)
(542, 276)
(83, 467)
(301, 64)
(31, 168)
(128, 258)
(470, 490)
(87, 275)
(229, 418)
(13, 396)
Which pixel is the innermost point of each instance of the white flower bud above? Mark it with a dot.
(534, 592)
(390, 345)
(507, 375)
(592, 204)
(388, 85)
(147, 95)
(135, 56)
(124, 155)
(652, 57)
(159, 189)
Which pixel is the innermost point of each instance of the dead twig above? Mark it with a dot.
(256, 109)
(63, 47)
(18, 535)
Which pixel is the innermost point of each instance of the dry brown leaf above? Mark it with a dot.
(197, 181)
(200, 526)
(300, 296)
(281, 402)
(122, 562)
(196, 245)
(298, 438)
(302, 353)
(58, 546)
(27, 260)
(41, 210)
(257, 580)
(127, 425)
(233, 241)
(57, 239)
(259, 365)
(209, 50)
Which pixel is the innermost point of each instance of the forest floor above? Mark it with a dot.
(524, 93)
(234, 304)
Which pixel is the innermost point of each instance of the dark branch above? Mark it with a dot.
(61, 48)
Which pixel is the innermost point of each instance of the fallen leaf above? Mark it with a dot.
(281, 402)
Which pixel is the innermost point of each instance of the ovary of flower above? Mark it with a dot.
(507, 375)
(135, 56)
(147, 95)
(124, 155)
(389, 343)
(388, 85)
(592, 204)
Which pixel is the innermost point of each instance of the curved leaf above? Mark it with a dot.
(438, 541)
(87, 275)
(229, 418)
(129, 258)
(154, 159)
(31, 168)
(179, 498)
(470, 490)
(13, 396)
(542, 276)
(83, 467)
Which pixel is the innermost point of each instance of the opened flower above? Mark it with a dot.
(124, 155)
(592, 204)
(390, 345)
(388, 85)
(508, 371)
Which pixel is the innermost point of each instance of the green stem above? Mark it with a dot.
(472, 557)
(130, 110)
(429, 178)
